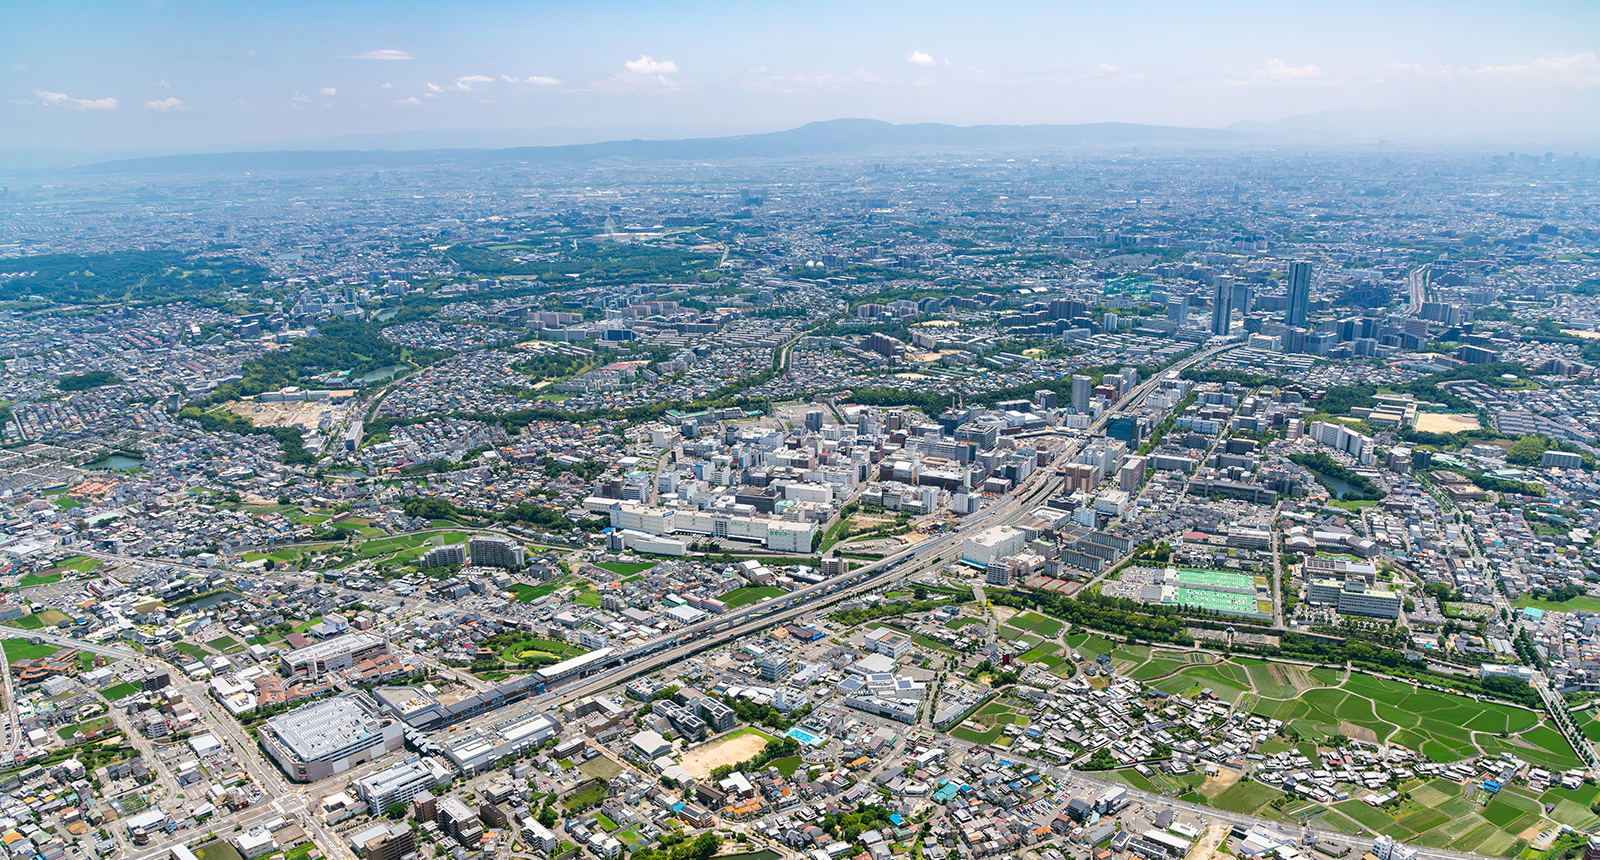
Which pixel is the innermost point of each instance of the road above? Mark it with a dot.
(1417, 287)
(1093, 784)
(932, 552)
(695, 638)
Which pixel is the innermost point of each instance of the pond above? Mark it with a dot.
(1335, 486)
(210, 601)
(385, 316)
(382, 373)
(117, 462)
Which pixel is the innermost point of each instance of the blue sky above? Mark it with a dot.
(162, 75)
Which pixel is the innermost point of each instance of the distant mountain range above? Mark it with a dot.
(833, 137)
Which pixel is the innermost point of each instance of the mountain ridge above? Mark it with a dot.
(827, 137)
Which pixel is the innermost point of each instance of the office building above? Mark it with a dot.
(1178, 311)
(1299, 299)
(1222, 307)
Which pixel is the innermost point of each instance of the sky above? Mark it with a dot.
(96, 76)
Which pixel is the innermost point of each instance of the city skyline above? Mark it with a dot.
(180, 76)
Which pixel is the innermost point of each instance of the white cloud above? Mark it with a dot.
(329, 91)
(409, 101)
(383, 54)
(1581, 69)
(388, 86)
(17, 67)
(919, 58)
(465, 83)
(1106, 67)
(435, 87)
(508, 79)
(541, 80)
(167, 104)
(1278, 71)
(646, 65)
(76, 104)
(163, 84)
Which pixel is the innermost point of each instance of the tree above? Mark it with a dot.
(395, 811)
(1101, 760)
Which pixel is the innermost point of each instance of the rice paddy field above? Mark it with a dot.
(1320, 704)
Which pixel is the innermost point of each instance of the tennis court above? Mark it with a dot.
(1216, 579)
(1217, 601)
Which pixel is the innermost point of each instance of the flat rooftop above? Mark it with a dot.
(333, 647)
(319, 729)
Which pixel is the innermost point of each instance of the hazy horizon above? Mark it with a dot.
(106, 78)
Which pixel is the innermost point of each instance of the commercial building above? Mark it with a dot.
(888, 641)
(398, 784)
(997, 542)
(478, 751)
(324, 738)
(332, 655)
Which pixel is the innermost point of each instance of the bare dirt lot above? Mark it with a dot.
(701, 760)
(298, 413)
(1444, 422)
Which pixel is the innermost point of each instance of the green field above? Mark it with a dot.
(1245, 797)
(27, 622)
(225, 644)
(750, 594)
(119, 691)
(21, 649)
(529, 593)
(1439, 725)
(1581, 603)
(623, 568)
(79, 563)
(34, 579)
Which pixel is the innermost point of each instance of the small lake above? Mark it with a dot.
(116, 462)
(387, 315)
(210, 601)
(382, 373)
(1338, 487)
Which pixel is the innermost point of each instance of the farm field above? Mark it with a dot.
(989, 722)
(750, 594)
(624, 568)
(1322, 704)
